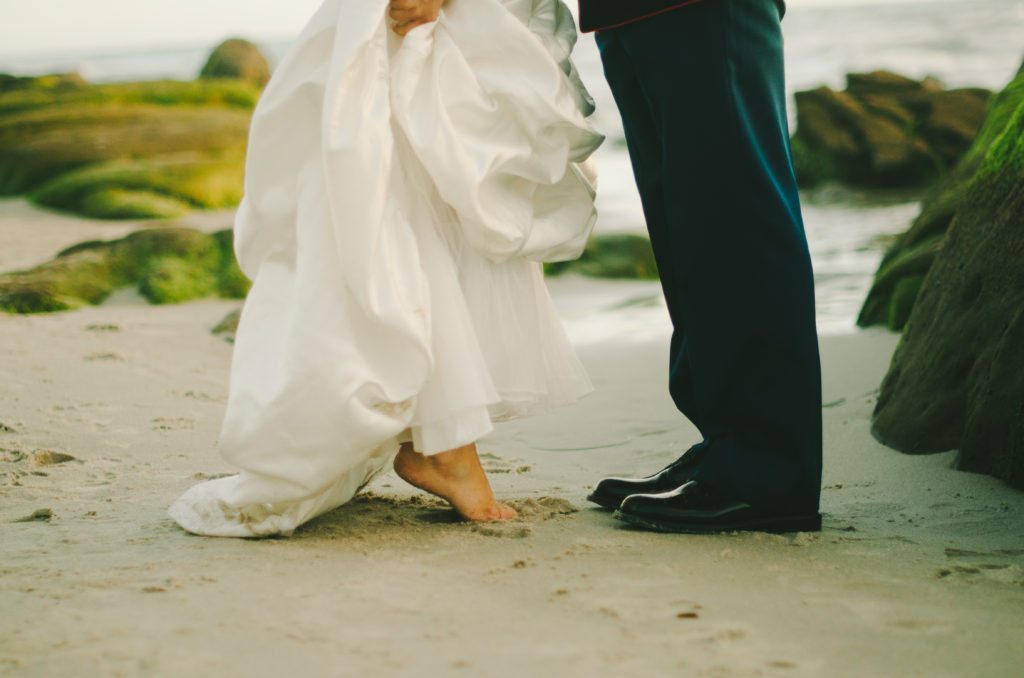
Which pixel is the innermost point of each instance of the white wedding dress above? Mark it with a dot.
(400, 194)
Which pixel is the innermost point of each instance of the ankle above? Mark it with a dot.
(460, 462)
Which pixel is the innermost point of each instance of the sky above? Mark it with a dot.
(55, 26)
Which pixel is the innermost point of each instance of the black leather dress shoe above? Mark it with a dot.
(610, 492)
(696, 508)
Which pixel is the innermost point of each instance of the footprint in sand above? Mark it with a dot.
(782, 664)
(728, 635)
(12, 477)
(803, 539)
(199, 395)
(504, 530)
(1003, 573)
(211, 476)
(173, 424)
(543, 508)
(100, 476)
(990, 565)
(104, 357)
(954, 553)
(529, 510)
(494, 464)
(11, 455)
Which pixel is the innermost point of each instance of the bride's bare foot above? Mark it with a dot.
(457, 477)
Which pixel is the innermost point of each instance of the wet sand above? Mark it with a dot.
(107, 414)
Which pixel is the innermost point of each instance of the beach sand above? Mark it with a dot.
(107, 414)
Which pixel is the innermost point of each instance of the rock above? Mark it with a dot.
(884, 130)
(166, 265)
(953, 122)
(127, 151)
(957, 378)
(908, 260)
(238, 59)
(57, 81)
(612, 256)
(228, 327)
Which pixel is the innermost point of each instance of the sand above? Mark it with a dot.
(108, 413)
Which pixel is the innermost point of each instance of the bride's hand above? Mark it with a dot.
(408, 14)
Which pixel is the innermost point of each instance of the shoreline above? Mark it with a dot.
(594, 309)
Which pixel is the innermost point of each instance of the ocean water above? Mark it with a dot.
(962, 42)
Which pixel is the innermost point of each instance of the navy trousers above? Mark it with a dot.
(701, 91)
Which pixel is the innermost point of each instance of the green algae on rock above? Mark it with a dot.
(170, 185)
(227, 328)
(956, 381)
(612, 256)
(128, 150)
(884, 131)
(55, 81)
(40, 94)
(906, 263)
(237, 59)
(166, 265)
(124, 160)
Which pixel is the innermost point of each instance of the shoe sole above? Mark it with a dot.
(776, 525)
(606, 504)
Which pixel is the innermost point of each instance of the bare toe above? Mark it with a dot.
(495, 512)
(506, 512)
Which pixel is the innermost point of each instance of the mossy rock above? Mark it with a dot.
(913, 253)
(159, 187)
(612, 256)
(42, 145)
(78, 279)
(889, 84)
(957, 379)
(884, 131)
(228, 327)
(171, 280)
(45, 83)
(889, 302)
(120, 203)
(166, 265)
(232, 94)
(239, 59)
(129, 151)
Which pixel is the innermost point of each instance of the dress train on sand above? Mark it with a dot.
(400, 194)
